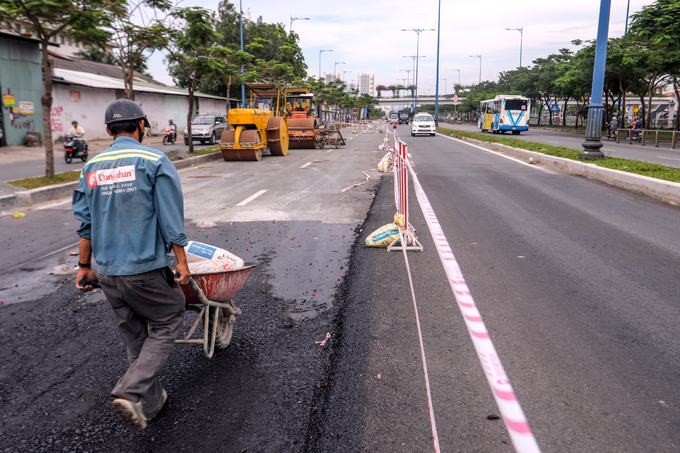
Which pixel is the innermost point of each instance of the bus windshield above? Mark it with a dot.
(515, 104)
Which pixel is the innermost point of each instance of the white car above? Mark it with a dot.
(423, 123)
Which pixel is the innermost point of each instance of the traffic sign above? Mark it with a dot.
(456, 101)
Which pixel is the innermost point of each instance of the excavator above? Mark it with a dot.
(252, 130)
(303, 129)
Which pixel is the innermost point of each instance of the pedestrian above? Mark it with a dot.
(130, 207)
(613, 127)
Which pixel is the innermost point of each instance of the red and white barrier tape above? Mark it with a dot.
(508, 404)
(430, 405)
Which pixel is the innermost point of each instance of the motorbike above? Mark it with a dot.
(169, 136)
(75, 148)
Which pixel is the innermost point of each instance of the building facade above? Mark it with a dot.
(367, 84)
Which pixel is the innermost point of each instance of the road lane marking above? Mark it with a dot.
(499, 154)
(306, 165)
(499, 382)
(669, 158)
(430, 405)
(252, 197)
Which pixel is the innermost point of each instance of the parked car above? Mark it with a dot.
(206, 129)
(423, 123)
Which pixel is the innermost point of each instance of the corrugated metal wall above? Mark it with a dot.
(20, 77)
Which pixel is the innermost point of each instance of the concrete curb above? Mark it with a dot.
(666, 191)
(54, 192)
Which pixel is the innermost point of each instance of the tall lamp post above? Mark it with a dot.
(417, 31)
(243, 85)
(414, 58)
(593, 142)
(436, 85)
(335, 67)
(521, 39)
(480, 66)
(458, 71)
(293, 19)
(321, 51)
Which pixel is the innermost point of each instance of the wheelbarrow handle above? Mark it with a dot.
(199, 292)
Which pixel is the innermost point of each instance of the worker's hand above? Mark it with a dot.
(85, 279)
(182, 273)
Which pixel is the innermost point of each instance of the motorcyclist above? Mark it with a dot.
(76, 131)
(173, 129)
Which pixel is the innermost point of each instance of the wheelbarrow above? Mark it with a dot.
(210, 295)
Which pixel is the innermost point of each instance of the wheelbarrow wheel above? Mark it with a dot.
(225, 328)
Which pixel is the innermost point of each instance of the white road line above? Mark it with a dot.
(669, 158)
(252, 197)
(306, 165)
(329, 150)
(52, 205)
(536, 167)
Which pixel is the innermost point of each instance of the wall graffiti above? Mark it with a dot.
(55, 119)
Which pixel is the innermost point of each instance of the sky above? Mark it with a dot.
(366, 34)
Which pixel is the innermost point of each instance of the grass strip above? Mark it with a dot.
(42, 181)
(71, 176)
(652, 170)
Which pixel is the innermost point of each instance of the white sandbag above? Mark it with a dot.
(384, 236)
(206, 259)
(385, 163)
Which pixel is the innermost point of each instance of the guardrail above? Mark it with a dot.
(643, 136)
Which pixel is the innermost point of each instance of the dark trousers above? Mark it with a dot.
(148, 310)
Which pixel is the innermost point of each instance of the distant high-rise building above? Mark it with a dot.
(367, 84)
(330, 77)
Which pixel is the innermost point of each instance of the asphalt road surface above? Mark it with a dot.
(576, 281)
(649, 153)
(577, 284)
(61, 355)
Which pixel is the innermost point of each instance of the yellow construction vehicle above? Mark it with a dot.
(303, 128)
(252, 130)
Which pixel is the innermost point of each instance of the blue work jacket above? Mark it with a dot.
(129, 204)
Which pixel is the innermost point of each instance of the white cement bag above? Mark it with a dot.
(385, 163)
(206, 259)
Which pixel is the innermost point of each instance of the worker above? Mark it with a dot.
(129, 204)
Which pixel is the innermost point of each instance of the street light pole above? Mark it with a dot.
(593, 142)
(436, 85)
(445, 84)
(293, 19)
(521, 39)
(418, 31)
(243, 86)
(414, 58)
(335, 67)
(625, 32)
(480, 66)
(320, 52)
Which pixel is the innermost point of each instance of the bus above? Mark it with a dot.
(504, 113)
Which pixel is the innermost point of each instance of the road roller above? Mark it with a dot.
(303, 129)
(252, 130)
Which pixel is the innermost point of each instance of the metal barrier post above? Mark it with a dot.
(407, 235)
(673, 139)
(656, 139)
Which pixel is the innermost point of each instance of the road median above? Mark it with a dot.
(653, 180)
(32, 191)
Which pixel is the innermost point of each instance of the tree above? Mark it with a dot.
(658, 27)
(379, 89)
(101, 56)
(82, 20)
(134, 32)
(193, 53)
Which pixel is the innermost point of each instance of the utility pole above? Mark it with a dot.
(417, 31)
(408, 74)
(593, 139)
(480, 66)
(320, 52)
(293, 19)
(521, 39)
